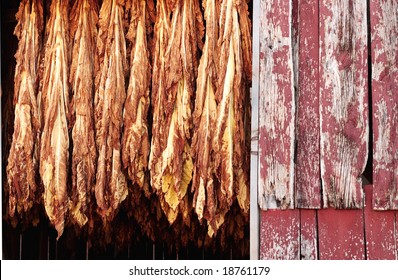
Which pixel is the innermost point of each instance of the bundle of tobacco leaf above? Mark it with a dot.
(178, 35)
(219, 144)
(110, 95)
(23, 158)
(54, 151)
(142, 113)
(84, 33)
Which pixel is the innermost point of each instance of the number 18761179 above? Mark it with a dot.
(237, 270)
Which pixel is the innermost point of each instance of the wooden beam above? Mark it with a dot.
(307, 178)
(384, 45)
(341, 234)
(396, 234)
(277, 103)
(308, 235)
(343, 101)
(379, 231)
(280, 235)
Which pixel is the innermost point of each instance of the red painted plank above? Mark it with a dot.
(308, 235)
(341, 234)
(343, 101)
(379, 231)
(384, 45)
(396, 233)
(307, 181)
(279, 235)
(277, 107)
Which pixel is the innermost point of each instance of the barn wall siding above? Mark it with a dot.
(280, 235)
(341, 234)
(308, 234)
(384, 42)
(277, 106)
(379, 231)
(330, 135)
(329, 234)
(307, 168)
(345, 103)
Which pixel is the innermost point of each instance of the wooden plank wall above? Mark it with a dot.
(277, 107)
(308, 174)
(343, 100)
(330, 234)
(384, 35)
(342, 58)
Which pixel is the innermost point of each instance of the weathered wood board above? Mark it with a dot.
(308, 235)
(280, 235)
(307, 170)
(379, 231)
(396, 233)
(277, 103)
(343, 101)
(384, 46)
(341, 234)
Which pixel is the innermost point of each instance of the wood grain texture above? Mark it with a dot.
(279, 231)
(379, 231)
(277, 103)
(307, 169)
(308, 235)
(396, 233)
(384, 46)
(341, 234)
(343, 101)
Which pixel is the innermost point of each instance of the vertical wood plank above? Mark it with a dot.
(308, 235)
(279, 235)
(396, 234)
(379, 231)
(277, 107)
(343, 101)
(384, 46)
(341, 234)
(307, 181)
(254, 159)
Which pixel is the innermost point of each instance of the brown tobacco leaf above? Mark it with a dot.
(161, 36)
(241, 159)
(55, 98)
(229, 140)
(135, 136)
(110, 94)
(23, 158)
(204, 117)
(176, 58)
(84, 31)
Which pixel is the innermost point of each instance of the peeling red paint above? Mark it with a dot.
(384, 45)
(341, 234)
(396, 234)
(277, 107)
(279, 231)
(327, 119)
(308, 235)
(307, 184)
(343, 101)
(379, 231)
